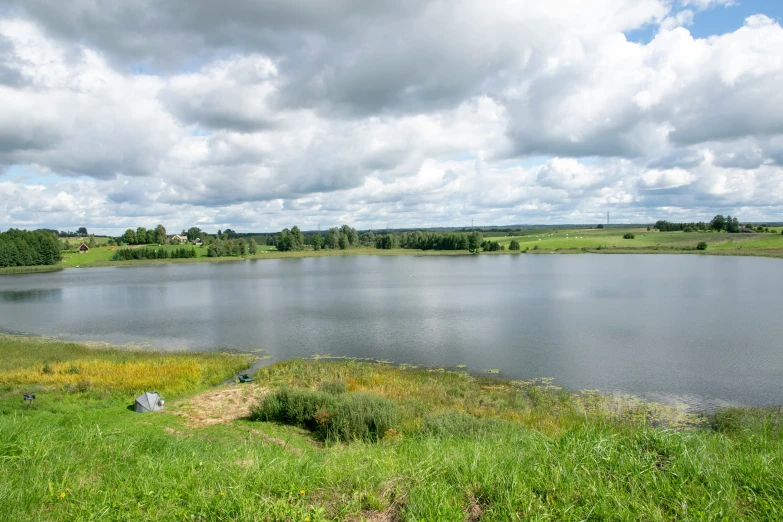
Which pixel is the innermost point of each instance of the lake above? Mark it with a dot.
(698, 330)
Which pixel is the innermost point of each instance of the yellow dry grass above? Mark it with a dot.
(170, 374)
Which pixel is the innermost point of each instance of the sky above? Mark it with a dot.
(260, 115)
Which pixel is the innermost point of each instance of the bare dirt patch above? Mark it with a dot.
(220, 406)
(474, 510)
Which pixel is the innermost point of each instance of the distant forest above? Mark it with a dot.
(718, 223)
(23, 248)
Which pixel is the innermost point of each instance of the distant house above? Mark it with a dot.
(197, 241)
(181, 239)
(83, 249)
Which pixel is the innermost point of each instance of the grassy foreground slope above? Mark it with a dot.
(463, 448)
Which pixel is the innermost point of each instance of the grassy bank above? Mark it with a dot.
(460, 448)
(10, 270)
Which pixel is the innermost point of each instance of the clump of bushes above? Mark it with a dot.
(629, 235)
(514, 245)
(702, 245)
(331, 417)
(491, 246)
(126, 254)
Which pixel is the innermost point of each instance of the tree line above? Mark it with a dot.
(127, 254)
(335, 238)
(221, 247)
(24, 248)
(419, 240)
(718, 223)
(142, 236)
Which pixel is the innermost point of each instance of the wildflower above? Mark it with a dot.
(307, 519)
(62, 495)
(301, 492)
(222, 493)
(444, 471)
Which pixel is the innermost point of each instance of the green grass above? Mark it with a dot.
(75, 241)
(29, 269)
(611, 239)
(102, 257)
(462, 448)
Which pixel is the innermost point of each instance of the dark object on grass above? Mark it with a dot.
(148, 401)
(245, 378)
(29, 398)
(702, 246)
(629, 235)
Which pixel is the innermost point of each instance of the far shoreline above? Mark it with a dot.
(762, 253)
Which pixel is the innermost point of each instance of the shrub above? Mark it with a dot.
(629, 235)
(702, 245)
(332, 418)
(514, 245)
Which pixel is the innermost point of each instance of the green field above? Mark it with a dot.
(607, 240)
(101, 256)
(75, 241)
(461, 448)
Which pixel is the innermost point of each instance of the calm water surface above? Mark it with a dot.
(704, 331)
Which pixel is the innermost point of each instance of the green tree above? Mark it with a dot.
(193, 233)
(160, 235)
(331, 240)
(718, 223)
(284, 242)
(141, 235)
(474, 241)
(732, 225)
(514, 245)
(367, 239)
(81, 231)
(297, 240)
(317, 241)
(92, 243)
(129, 237)
(342, 242)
